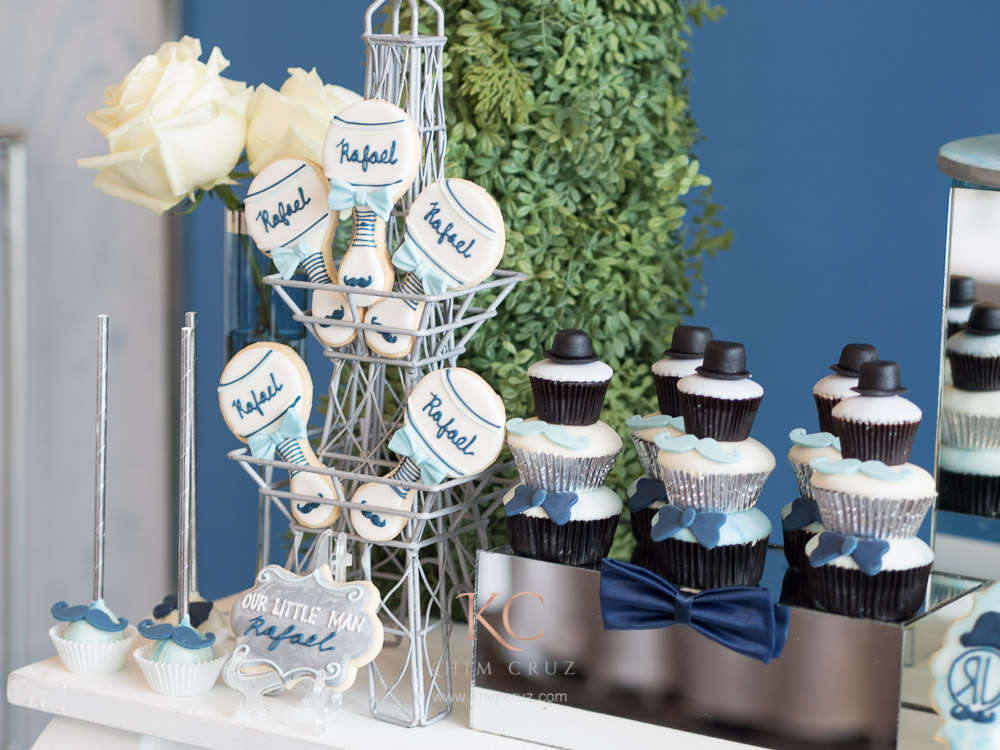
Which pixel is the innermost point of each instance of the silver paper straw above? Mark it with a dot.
(184, 506)
(100, 476)
(189, 321)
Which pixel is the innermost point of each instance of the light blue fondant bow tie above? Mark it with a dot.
(867, 553)
(409, 257)
(343, 195)
(556, 504)
(287, 257)
(704, 525)
(263, 445)
(647, 491)
(741, 618)
(406, 442)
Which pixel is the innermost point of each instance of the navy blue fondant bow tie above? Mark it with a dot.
(867, 553)
(198, 611)
(704, 525)
(741, 618)
(647, 492)
(557, 504)
(803, 513)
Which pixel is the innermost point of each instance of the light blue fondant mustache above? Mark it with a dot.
(287, 257)
(707, 447)
(814, 439)
(660, 420)
(555, 433)
(873, 469)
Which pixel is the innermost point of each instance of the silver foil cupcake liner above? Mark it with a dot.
(970, 431)
(862, 516)
(647, 457)
(723, 492)
(562, 473)
(803, 477)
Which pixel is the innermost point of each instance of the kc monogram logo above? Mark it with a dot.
(475, 617)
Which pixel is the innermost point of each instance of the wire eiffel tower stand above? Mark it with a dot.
(420, 572)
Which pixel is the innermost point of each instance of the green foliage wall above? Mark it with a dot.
(575, 115)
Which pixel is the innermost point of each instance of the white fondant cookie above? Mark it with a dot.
(265, 395)
(288, 217)
(371, 154)
(454, 238)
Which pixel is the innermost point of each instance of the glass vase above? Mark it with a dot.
(253, 311)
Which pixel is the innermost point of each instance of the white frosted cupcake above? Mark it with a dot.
(687, 349)
(806, 447)
(644, 431)
(974, 352)
(871, 499)
(562, 457)
(720, 401)
(970, 419)
(833, 389)
(569, 387)
(706, 474)
(969, 481)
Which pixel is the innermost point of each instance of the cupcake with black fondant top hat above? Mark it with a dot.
(879, 424)
(569, 386)
(833, 389)
(686, 352)
(720, 400)
(974, 352)
(961, 298)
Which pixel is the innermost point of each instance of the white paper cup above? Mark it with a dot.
(92, 658)
(179, 679)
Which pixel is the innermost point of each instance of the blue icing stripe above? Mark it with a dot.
(473, 412)
(249, 372)
(709, 448)
(814, 440)
(636, 422)
(257, 193)
(447, 184)
(873, 469)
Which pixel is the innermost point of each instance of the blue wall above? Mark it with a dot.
(821, 120)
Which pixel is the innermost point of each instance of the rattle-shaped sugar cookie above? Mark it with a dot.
(371, 154)
(453, 427)
(454, 238)
(288, 218)
(265, 394)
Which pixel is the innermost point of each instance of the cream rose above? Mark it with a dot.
(293, 121)
(173, 125)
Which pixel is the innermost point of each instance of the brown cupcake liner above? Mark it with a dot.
(642, 525)
(888, 443)
(970, 431)
(795, 590)
(891, 595)
(691, 565)
(803, 478)
(573, 543)
(560, 473)
(567, 403)
(644, 558)
(666, 394)
(795, 547)
(647, 457)
(975, 494)
(824, 410)
(727, 420)
(970, 373)
(876, 517)
(728, 493)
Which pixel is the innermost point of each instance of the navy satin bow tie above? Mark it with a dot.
(867, 553)
(741, 618)
(647, 492)
(557, 504)
(803, 513)
(704, 525)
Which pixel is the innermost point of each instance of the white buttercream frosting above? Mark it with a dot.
(836, 386)
(959, 315)
(755, 458)
(914, 483)
(591, 505)
(980, 403)
(903, 554)
(980, 463)
(878, 410)
(972, 345)
(740, 528)
(677, 368)
(602, 441)
(591, 372)
(742, 389)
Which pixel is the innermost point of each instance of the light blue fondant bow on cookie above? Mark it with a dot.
(292, 426)
(707, 447)
(556, 504)
(343, 195)
(873, 469)
(554, 433)
(287, 258)
(703, 525)
(409, 257)
(867, 553)
(406, 442)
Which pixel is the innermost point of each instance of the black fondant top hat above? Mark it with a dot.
(688, 342)
(724, 360)
(984, 320)
(851, 358)
(961, 291)
(571, 347)
(986, 632)
(879, 378)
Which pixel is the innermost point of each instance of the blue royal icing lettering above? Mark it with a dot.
(368, 157)
(446, 233)
(258, 399)
(289, 635)
(445, 430)
(285, 210)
